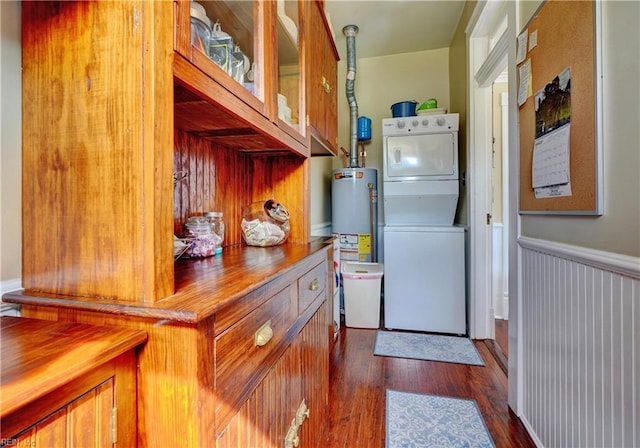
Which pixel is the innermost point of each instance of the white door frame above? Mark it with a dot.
(479, 147)
(479, 156)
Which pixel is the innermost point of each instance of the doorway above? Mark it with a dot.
(488, 42)
(500, 217)
(491, 44)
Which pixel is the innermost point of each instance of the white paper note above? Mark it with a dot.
(524, 87)
(533, 40)
(521, 52)
(553, 191)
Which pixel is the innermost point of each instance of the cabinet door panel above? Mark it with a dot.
(314, 357)
(321, 83)
(265, 417)
(84, 422)
(49, 432)
(239, 360)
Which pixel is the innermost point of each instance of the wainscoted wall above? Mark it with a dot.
(580, 345)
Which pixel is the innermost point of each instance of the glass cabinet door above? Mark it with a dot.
(228, 33)
(290, 104)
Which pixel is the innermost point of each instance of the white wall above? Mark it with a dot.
(383, 81)
(379, 83)
(10, 147)
(320, 189)
(458, 98)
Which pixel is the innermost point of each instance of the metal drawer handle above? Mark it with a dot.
(325, 85)
(264, 334)
(314, 285)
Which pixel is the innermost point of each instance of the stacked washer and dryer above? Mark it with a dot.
(424, 252)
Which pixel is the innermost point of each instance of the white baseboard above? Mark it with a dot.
(505, 307)
(10, 285)
(9, 309)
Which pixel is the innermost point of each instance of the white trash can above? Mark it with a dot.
(361, 285)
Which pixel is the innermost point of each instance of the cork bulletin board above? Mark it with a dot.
(562, 60)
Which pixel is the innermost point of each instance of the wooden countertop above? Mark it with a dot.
(39, 356)
(202, 286)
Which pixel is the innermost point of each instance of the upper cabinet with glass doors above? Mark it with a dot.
(238, 73)
(290, 100)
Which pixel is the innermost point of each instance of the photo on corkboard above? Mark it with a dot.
(553, 104)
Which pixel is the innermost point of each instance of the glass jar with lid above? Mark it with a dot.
(217, 226)
(265, 223)
(200, 28)
(202, 241)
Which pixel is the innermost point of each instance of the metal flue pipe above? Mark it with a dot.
(350, 32)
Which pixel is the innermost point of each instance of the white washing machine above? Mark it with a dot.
(424, 253)
(424, 284)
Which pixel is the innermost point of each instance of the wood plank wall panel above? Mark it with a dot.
(213, 180)
(285, 179)
(581, 352)
(218, 178)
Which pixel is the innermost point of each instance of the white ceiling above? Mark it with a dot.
(394, 26)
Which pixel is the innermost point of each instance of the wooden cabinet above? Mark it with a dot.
(322, 82)
(291, 402)
(245, 113)
(65, 385)
(131, 131)
(209, 372)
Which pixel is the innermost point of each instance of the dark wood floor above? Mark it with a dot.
(502, 335)
(499, 346)
(359, 380)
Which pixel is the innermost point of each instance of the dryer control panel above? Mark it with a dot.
(421, 124)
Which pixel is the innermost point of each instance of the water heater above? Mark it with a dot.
(354, 211)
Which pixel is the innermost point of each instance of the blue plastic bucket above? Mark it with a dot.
(404, 109)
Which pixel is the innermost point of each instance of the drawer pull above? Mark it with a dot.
(325, 85)
(264, 334)
(314, 285)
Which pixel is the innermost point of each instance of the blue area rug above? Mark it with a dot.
(416, 420)
(428, 347)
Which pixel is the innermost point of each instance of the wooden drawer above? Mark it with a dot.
(240, 362)
(310, 285)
